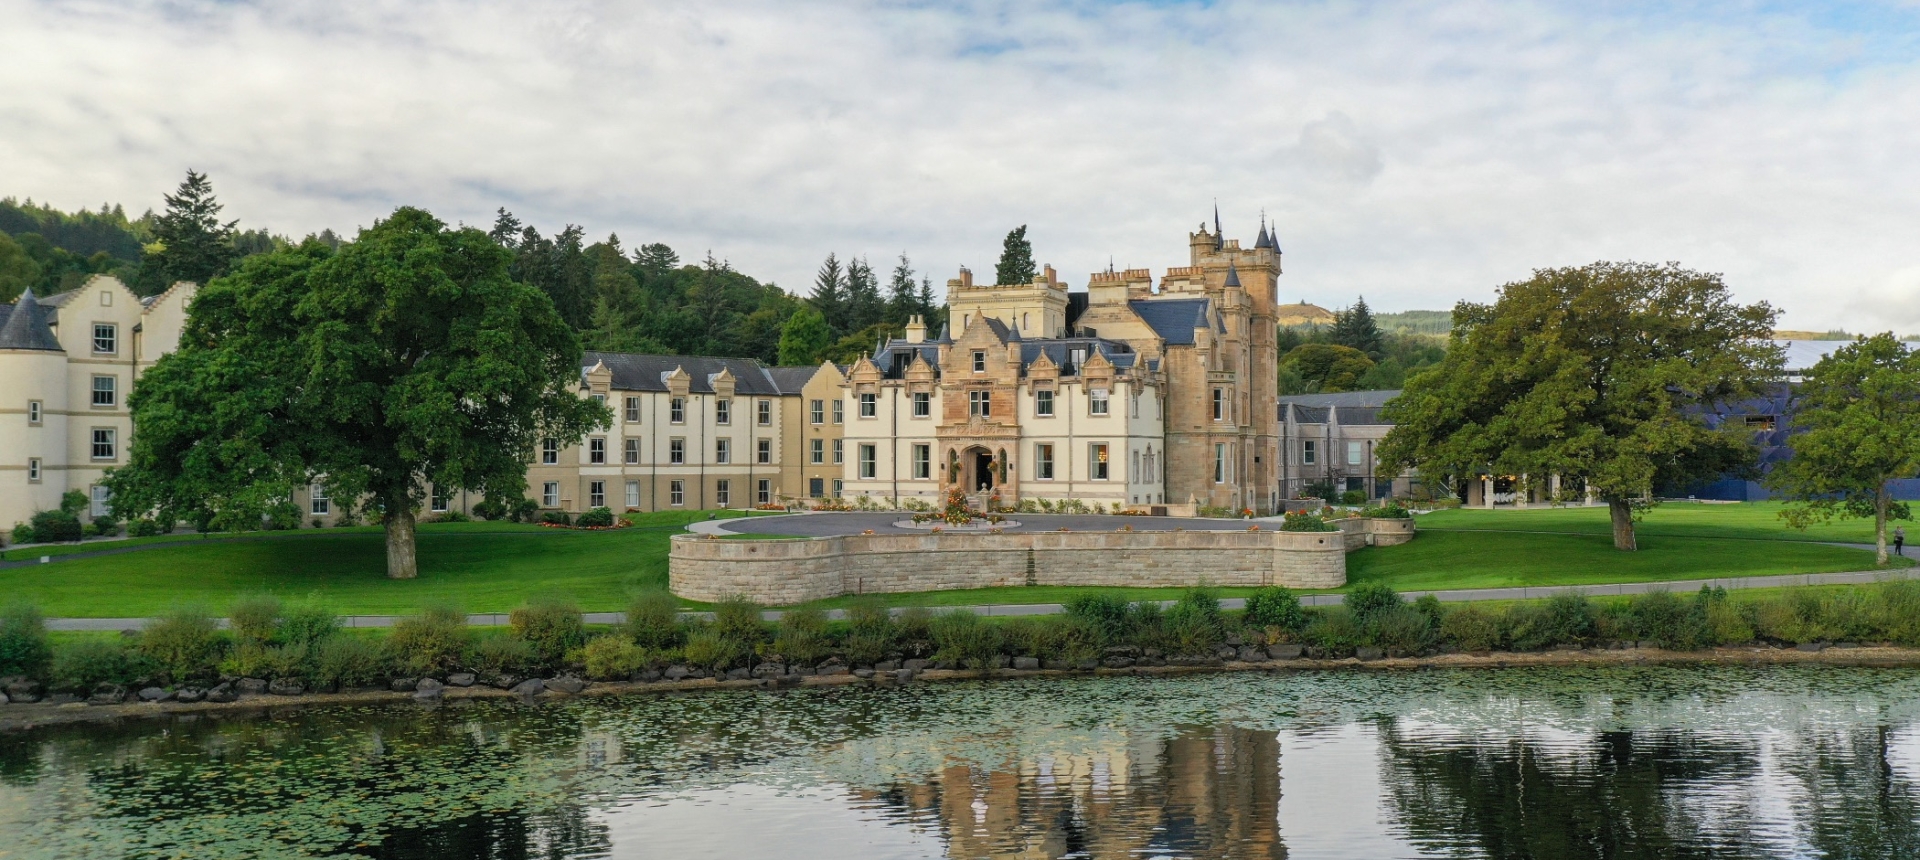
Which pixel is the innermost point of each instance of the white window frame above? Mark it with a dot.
(633, 410)
(112, 338)
(549, 452)
(1356, 453)
(1098, 467)
(723, 492)
(107, 439)
(319, 504)
(869, 404)
(922, 462)
(1097, 403)
(438, 500)
(550, 494)
(839, 452)
(677, 410)
(677, 493)
(839, 412)
(677, 451)
(764, 409)
(33, 470)
(980, 403)
(763, 492)
(722, 451)
(98, 496)
(869, 461)
(1043, 403)
(923, 404)
(112, 391)
(723, 411)
(597, 451)
(817, 451)
(1309, 452)
(36, 413)
(817, 412)
(979, 361)
(630, 450)
(1222, 471)
(633, 494)
(596, 494)
(763, 452)
(1219, 404)
(1043, 461)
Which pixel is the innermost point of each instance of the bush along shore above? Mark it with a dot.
(271, 649)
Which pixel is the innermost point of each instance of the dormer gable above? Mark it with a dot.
(678, 381)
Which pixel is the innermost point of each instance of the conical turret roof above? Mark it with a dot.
(26, 326)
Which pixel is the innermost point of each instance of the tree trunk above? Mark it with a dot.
(401, 560)
(1880, 500)
(1622, 512)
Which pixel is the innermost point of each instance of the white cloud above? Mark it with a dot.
(1414, 153)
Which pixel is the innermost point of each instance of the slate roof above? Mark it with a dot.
(1174, 319)
(1343, 399)
(1060, 351)
(633, 372)
(24, 326)
(1310, 414)
(789, 380)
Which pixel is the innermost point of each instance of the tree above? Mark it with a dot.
(865, 305)
(1326, 367)
(190, 243)
(1856, 423)
(410, 357)
(1016, 259)
(804, 338)
(932, 309)
(1355, 327)
(830, 295)
(903, 300)
(1601, 372)
(18, 271)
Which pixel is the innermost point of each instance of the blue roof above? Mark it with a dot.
(1173, 319)
(24, 326)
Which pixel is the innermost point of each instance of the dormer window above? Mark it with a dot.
(1097, 402)
(869, 404)
(979, 361)
(1043, 403)
(1078, 357)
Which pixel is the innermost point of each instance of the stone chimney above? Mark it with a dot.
(916, 330)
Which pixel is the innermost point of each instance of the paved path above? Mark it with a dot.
(1858, 577)
(840, 523)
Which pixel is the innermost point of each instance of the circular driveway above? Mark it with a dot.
(831, 524)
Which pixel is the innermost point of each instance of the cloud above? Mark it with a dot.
(1415, 153)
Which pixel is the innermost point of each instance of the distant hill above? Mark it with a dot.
(1415, 322)
(1302, 314)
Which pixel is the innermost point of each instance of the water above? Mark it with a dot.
(1653, 762)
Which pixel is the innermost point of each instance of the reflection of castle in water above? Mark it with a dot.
(1210, 792)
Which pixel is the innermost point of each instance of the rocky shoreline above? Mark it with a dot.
(248, 695)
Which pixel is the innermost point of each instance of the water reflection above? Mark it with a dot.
(1617, 763)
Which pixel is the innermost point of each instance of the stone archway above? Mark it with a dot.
(976, 466)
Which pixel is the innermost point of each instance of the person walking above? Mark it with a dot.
(1899, 541)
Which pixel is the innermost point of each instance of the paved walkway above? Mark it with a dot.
(828, 524)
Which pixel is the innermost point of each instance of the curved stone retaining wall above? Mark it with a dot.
(787, 571)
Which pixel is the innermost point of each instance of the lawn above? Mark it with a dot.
(1755, 520)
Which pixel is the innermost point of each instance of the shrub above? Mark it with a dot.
(1528, 627)
(600, 517)
(1470, 628)
(1306, 522)
(246, 660)
(80, 666)
(1193, 624)
(255, 619)
(553, 627)
(23, 533)
(503, 654)
(558, 518)
(143, 527)
(308, 624)
(965, 638)
(708, 647)
(490, 509)
(1353, 497)
(56, 527)
(1728, 624)
(1900, 610)
(430, 642)
(1388, 511)
(870, 631)
(913, 630)
(286, 661)
(1401, 631)
(1663, 618)
(105, 526)
(73, 502)
(183, 644)
(348, 661)
(1067, 639)
(24, 648)
(801, 637)
(1110, 617)
(613, 658)
(653, 620)
(522, 511)
(1367, 598)
(1332, 630)
(1430, 606)
(1571, 620)
(739, 618)
(1274, 607)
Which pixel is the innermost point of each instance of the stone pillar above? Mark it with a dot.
(1523, 493)
(1553, 487)
(1486, 491)
(1590, 499)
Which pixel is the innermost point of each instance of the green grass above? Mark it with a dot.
(1753, 520)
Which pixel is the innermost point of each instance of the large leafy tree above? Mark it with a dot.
(1016, 259)
(190, 242)
(1601, 372)
(409, 357)
(1856, 423)
(805, 338)
(1326, 367)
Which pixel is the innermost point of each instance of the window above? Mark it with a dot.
(1097, 461)
(549, 452)
(33, 412)
(839, 451)
(676, 493)
(922, 462)
(764, 413)
(980, 404)
(597, 451)
(1133, 406)
(437, 502)
(103, 391)
(317, 501)
(763, 492)
(103, 447)
(723, 412)
(677, 410)
(763, 452)
(632, 452)
(1135, 474)
(838, 486)
(633, 410)
(99, 496)
(723, 450)
(723, 492)
(817, 451)
(1097, 402)
(817, 412)
(600, 399)
(1759, 422)
(596, 494)
(922, 404)
(816, 488)
(839, 412)
(1043, 403)
(867, 465)
(33, 470)
(979, 361)
(869, 405)
(633, 494)
(550, 494)
(1220, 471)
(1076, 357)
(1219, 404)
(106, 338)
(1309, 452)
(1353, 454)
(1043, 462)
(677, 451)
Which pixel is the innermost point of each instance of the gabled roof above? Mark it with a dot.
(632, 372)
(1060, 352)
(1343, 399)
(24, 326)
(789, 380)
(1174, 319)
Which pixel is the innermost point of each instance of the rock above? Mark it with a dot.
(250, 686)
(1811, 646)
(222, 692)
(1153, 652)
(740, 674)
(189, 695)
(1026, 664)
(676, 672)
(530, 688)
(769, 670)
(915, 665)
(22, 690)
(3, 698)
(107, 694)
(647, 675)
(886, 666)
(566, 684)
(1234, 640)
(286, 687)
(903, 675)
(1121, 651)
(460, 679)
(428, 689)
(155, 694)
(802, 671)
(1055, 664)
(1368, 652)
(863, 674)
(500, 680)
(1150, 661)
(1117, 662)
(405, 685)
(1225, 653)
(1285, 651)
(1251, 654)
(835, 669)
(1087, 665)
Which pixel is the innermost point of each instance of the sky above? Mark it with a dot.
(1415, 154)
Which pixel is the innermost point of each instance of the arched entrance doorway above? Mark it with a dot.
(976, 467)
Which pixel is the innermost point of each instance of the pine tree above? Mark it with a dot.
(1355, 327)
(902, 301)
(1016, 259)
(930, 308)
(190, 242)
(830, 295)
(506, 228)
(864, 303)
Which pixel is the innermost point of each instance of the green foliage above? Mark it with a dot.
(1369, 598)
(1301, 521)
(558, 518)
(870, 631)
(1571, 619)
(1355, 329)
(190, 242)
(1326, 367)
(1275, 607)
(552, 627)
(1193, 626)
(1388, 511)
(22, 533)
(81, 665)
(308, 624)
(710, 648)
(254, 620)
(739, 618)
(596, 518)
(613, 658)
(24, 648)
(805, 338)
(1016, 259)
(19, 272)
(801, 636)
(105, 526)
(1111, 618)
(1601, 371)
(56, 527)
(1399, 630)
(653, 620)
(1471, 628)
(182, 644)
(349, 661)
(431, 642)
(1333, 630)
(964, 638)
(503, 654)
(146, 527)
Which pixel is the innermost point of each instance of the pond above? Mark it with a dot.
(1649, 762)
